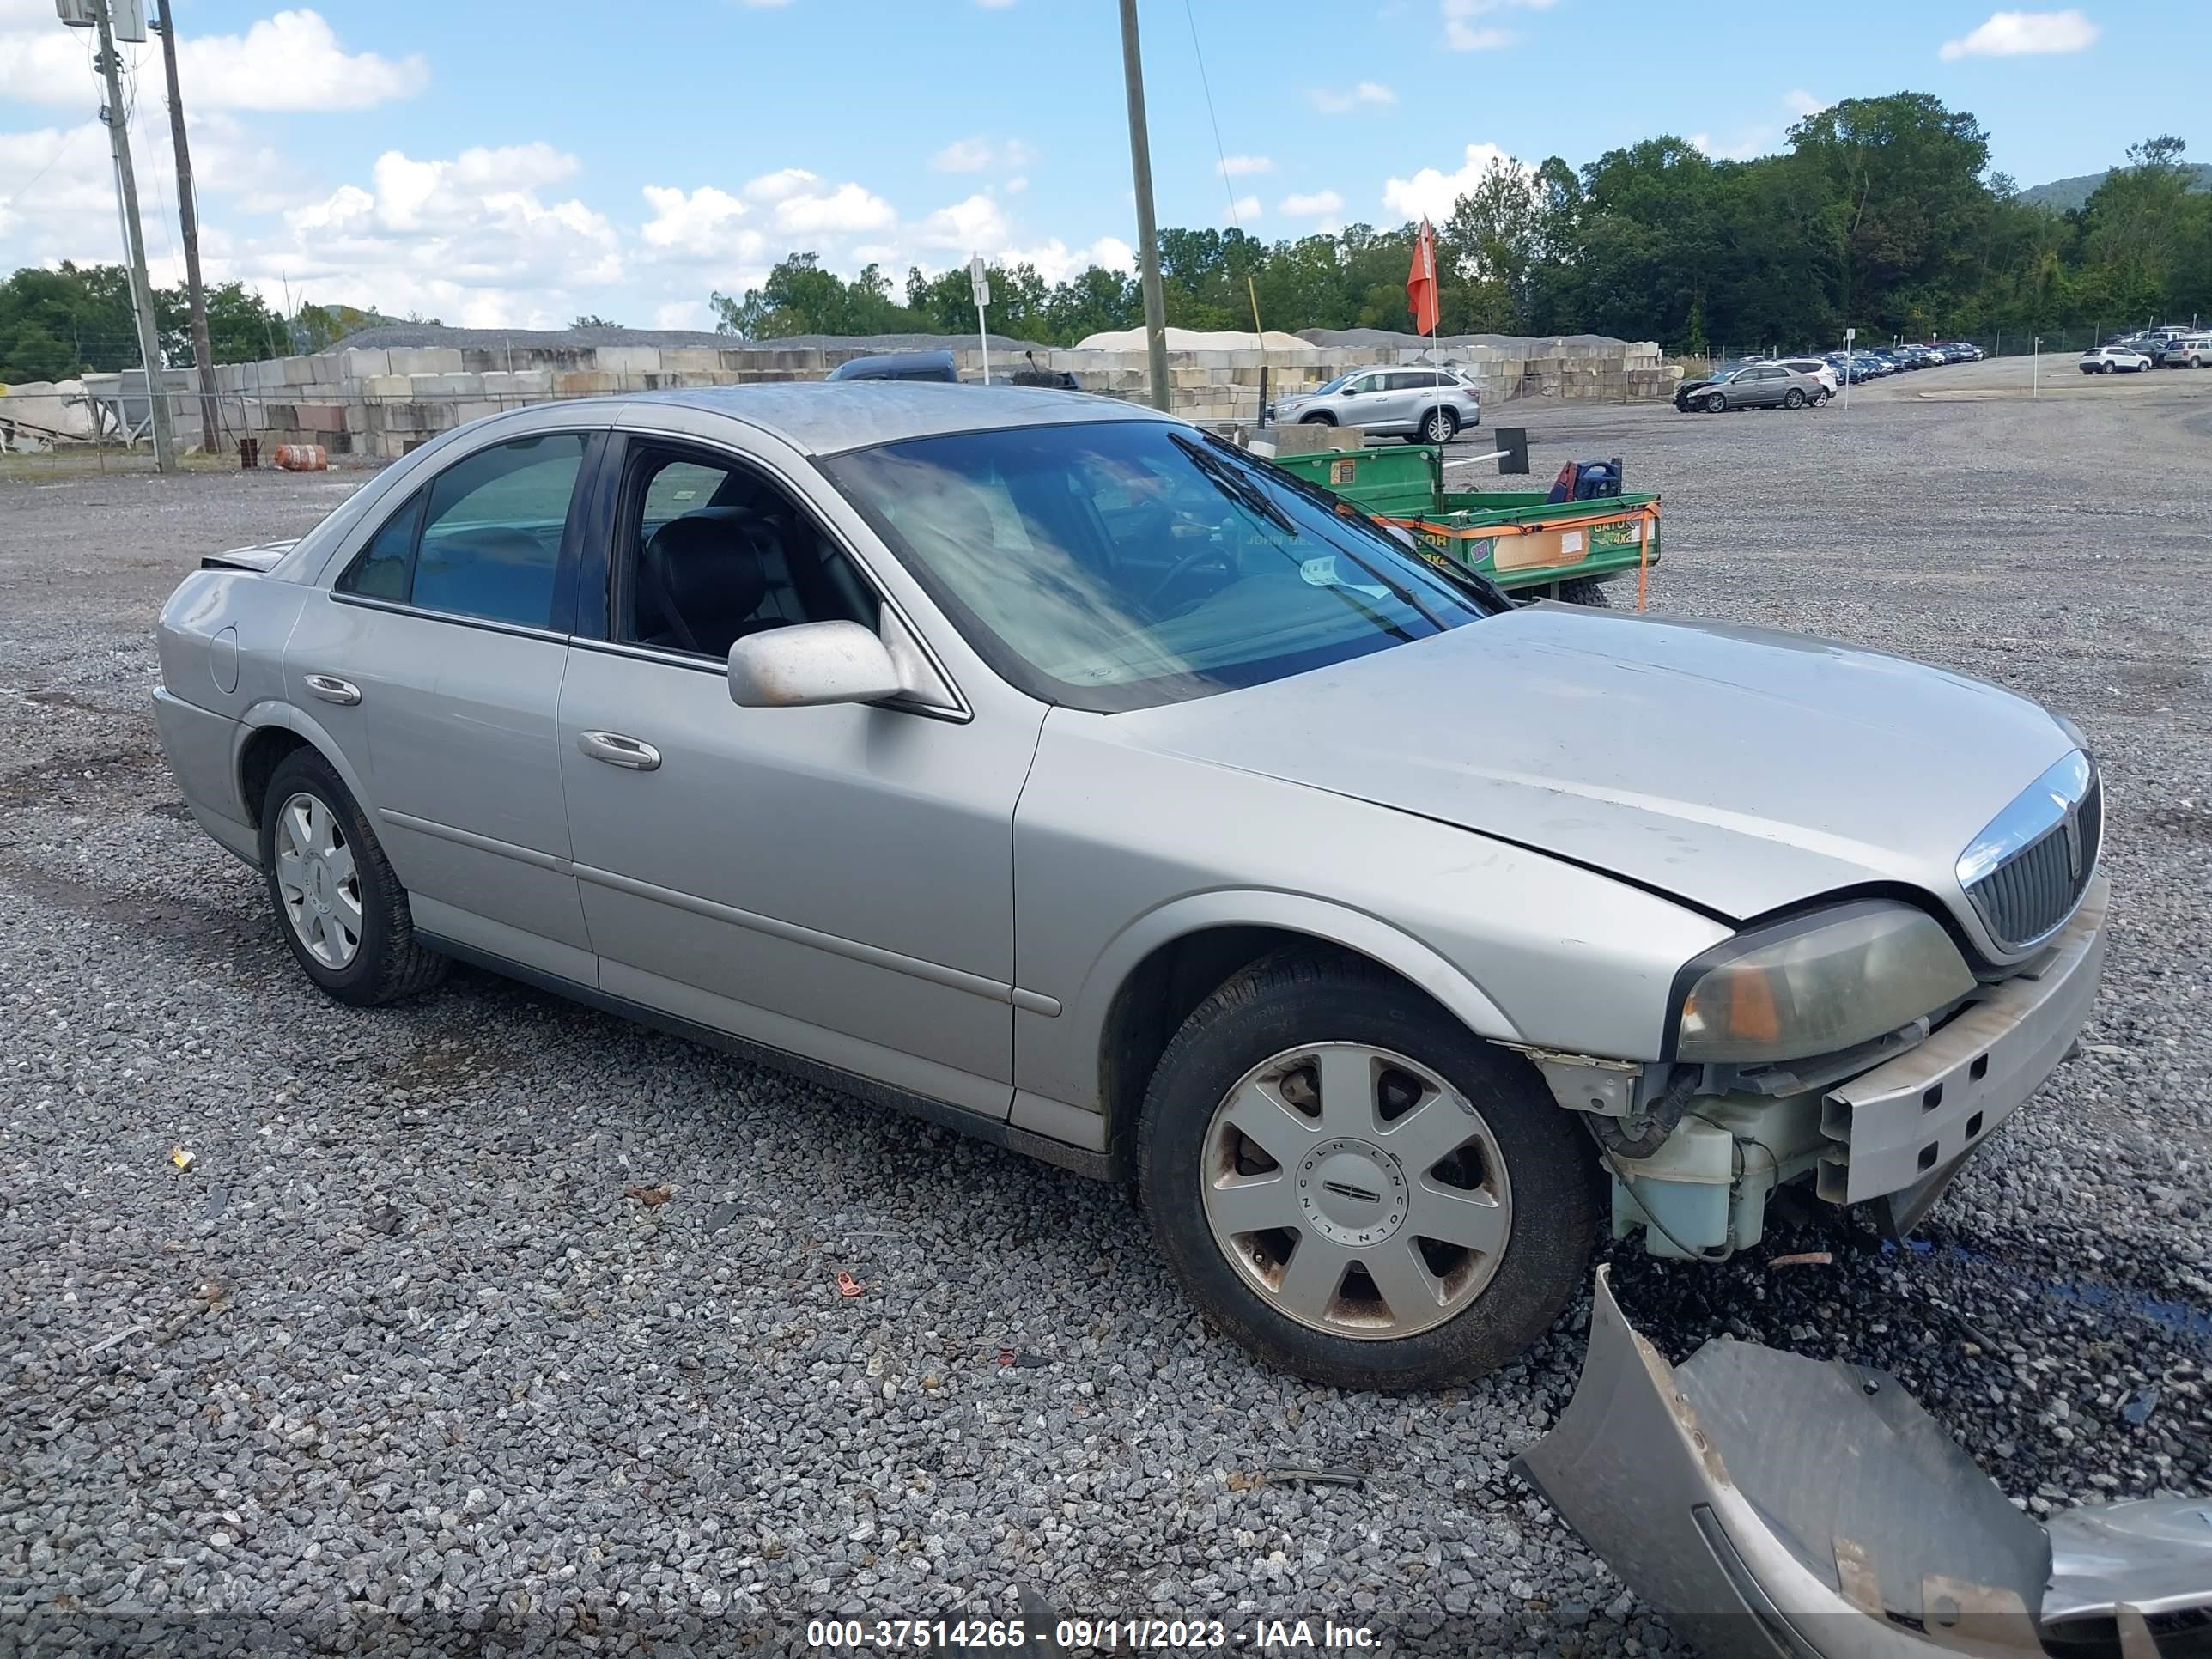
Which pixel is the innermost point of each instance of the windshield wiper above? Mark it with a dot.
(1244, 491)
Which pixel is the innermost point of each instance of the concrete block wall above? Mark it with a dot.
(382, 403)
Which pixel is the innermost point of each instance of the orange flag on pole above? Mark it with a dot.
(1421, 282)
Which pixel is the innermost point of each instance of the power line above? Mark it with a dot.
(1205, 86)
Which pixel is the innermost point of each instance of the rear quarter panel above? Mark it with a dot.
(221, 640)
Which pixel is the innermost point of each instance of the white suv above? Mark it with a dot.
(1429, 404)
(2113, 359)
(1818, 368)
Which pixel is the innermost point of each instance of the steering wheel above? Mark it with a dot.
(1184, 566)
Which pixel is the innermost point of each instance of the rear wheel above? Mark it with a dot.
(1793, 398)
(344, 912)
(1715, 403)
(1355, 1187)
(1438, 426)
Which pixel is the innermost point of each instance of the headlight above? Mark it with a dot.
(1818, 983)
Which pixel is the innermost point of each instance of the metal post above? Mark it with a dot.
(1148, 240)
(188, 212)
(141, 290)
(2035, 367)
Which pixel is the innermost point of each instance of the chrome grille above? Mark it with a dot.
(2036, 889)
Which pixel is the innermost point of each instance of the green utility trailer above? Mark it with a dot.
(1517, 539)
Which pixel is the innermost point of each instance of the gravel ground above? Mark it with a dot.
(411, 1352)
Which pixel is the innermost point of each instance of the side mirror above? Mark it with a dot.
(810, 664)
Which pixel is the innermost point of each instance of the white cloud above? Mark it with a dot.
(1244, 208)
(981, 155)
(2012, 34)
(290, 61)
(802, 208)
(971, 226)
(1318, 205)
(467, 239)
(683, 313)
(1245, 166)
(1752, 140)
(1056, 262)
(700, 228)
(774, 186)
(846, 208)
(1368, 94)
(1801, 102)
(1430, 193)
(1462, 32)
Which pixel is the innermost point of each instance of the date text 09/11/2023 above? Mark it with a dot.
(1095, 1635)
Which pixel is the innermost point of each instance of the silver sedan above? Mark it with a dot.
(1050, 768)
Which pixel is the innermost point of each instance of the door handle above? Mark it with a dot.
(331, 689)
(616, 749)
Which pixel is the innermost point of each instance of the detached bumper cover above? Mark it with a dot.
(1769, 1504)
(1907, 1124)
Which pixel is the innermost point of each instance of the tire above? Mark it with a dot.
(1793, 398)
(1583, 590)
(1469, 1308)
(1715, 403)
(1439, 425)
(1317, 420)
(385, 962)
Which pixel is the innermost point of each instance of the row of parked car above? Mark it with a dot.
(1808, 381)
(2156, 348)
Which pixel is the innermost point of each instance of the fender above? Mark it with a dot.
(274, 711)
(1084, 1025)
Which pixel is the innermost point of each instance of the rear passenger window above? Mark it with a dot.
(482, 538)
(379, 571)
(491, 536)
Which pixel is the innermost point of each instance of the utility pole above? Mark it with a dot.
(141, 290)
(188, 211)
(1148, 239)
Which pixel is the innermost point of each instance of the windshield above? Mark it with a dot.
(1336, 385)
(1125, 563)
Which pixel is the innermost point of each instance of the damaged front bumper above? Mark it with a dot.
(1892, 1137)
(1771, 1505)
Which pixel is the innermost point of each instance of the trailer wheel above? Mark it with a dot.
(1583, 590)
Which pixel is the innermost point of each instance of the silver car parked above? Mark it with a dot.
(1429, 404)
(1051, 768)
(1761, 385)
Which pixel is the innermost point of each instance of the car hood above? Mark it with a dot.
(1741, 770)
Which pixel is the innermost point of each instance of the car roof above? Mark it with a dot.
(828, 417)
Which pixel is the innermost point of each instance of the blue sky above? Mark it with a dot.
(497, 163)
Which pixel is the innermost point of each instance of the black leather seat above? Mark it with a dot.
(701, 578)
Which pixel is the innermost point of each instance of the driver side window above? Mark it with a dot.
(709, 551)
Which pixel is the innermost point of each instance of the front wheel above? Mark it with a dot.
(1438, 426)
(1355, 1187)
(1793, 398)
(1715, 403)
(343, 911)
(1318, 420)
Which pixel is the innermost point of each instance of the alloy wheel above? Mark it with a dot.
(317, 880)
(1356, 1191)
